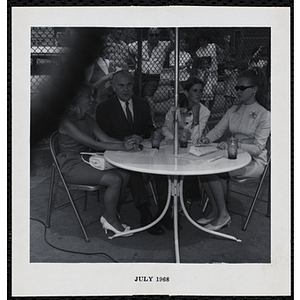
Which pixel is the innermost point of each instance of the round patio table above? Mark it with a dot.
(164, 162)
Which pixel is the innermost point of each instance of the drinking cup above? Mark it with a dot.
(183, 138)
(155, 139)
(232, 149)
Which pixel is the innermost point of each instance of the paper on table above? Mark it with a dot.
(211, 157)
(199, 151)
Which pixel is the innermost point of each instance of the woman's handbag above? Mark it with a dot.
(97, 161)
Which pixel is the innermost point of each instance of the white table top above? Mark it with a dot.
(164, 161)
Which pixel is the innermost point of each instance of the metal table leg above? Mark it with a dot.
(199, 226)
(174, 187)
(149, 225)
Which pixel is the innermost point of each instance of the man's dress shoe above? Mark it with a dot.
(168, 223)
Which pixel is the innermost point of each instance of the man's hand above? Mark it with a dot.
(131, 144)
(135, 137)
(134, 141)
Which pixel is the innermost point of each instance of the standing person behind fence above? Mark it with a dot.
(249, 122)
(207, 49)
(207, 68)
(99, 75)
(185, 60)
(153, 57)
(116, 50)
(231, 73)
(260, 58)
(210, 79)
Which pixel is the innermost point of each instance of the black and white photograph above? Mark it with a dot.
(148, 140)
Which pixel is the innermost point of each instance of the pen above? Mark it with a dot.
(215, 158)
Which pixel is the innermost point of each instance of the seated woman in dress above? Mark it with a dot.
(192, 115)
(78, 132)
(249, 122)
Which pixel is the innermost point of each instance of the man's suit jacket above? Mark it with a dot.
(113, 121)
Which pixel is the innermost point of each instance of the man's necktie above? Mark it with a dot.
(129, 116)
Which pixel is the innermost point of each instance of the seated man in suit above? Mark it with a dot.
(124, 115)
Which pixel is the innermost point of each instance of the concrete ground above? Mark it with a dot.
(64, 242)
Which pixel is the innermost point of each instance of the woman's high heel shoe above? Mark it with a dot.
(204, 221)
(217, 227)
(107, 226)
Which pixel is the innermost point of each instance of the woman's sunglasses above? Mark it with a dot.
(242, 87)
(153, 34)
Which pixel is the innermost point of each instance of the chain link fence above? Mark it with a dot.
(215, 55)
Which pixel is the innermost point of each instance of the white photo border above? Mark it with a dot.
(57, 279)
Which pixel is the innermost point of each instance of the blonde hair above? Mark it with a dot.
(73, 110)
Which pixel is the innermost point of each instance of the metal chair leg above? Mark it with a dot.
(153, 192)
(205, 204)
(48, 218)
(204, 199)
(147, 180)
(255, 198)
(74, 208)
(269, 195)
(269, 203)
(78, 217)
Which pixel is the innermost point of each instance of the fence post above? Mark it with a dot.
(139, 62)
(176, 92)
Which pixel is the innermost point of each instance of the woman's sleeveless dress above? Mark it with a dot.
(74, 169)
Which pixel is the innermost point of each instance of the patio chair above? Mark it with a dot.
(260, 181)
(68, 187)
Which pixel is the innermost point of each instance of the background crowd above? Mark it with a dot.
(214, 55)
